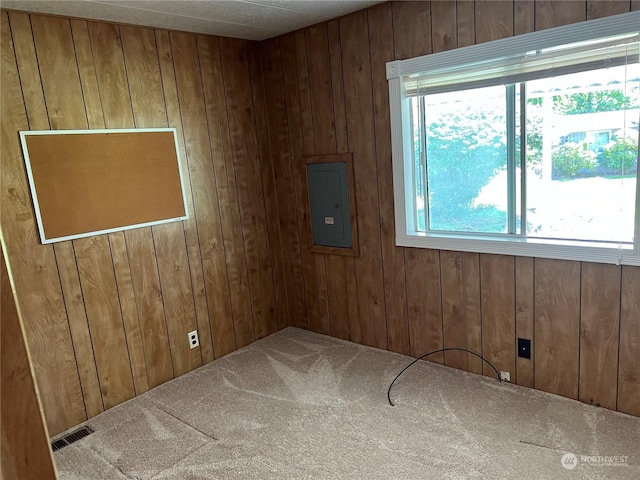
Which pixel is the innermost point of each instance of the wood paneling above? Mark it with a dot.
(34, 266)
(523, 16)
(493, 20)
(356, 67)
(411, 28)
(424, 302)
(599, 333)
(314, 83)
(557, 332)
(269, 190)
(235, 69)
(553, 13)
(25, 440)
(443, 26)
(296, 151)
(604, 8)
(382, 51)
(147, 101)
(524, 317)
(414, 300)
(629, 361)
(461, 325)
(106, 317)
(283, 177)
(465, 16)
(497, 291)
(237, 300)
(167, 74)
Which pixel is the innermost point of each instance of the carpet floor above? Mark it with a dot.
(301, 405)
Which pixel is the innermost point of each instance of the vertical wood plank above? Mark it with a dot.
(443, 25)
(235, 69)
(39, 293)
(320, 91)
(148, 296)
(103, 311)
(315, 263)
(126, 293)
(604, 8)
(122, 271)
(557, 333)
(347, 324)
(296, 142)
(198, 289)
(497, 290)
(493, 20)
(324, 131)
(283, 176)
(337, 86)
(599, 333)
(462, 326)
(524, 318)
(553, 13)
(225, 327)
(66, 263)
(629, 361)
(342, 146)
(381, 52)
(523, 16)
(411, 29)
(424, 302)
(118, 113)
(93, 255)
(269, 188)
(25, 440)
(138, 47)
(360, 127)
(465, 16)
(236, 305)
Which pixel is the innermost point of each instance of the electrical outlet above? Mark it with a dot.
(524, 348)
(193, 339)
(506, 376)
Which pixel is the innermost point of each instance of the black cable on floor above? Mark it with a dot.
(439, 351)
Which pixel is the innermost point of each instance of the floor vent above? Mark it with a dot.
(71, 438)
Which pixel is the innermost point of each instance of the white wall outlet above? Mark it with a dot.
(505, 376)
(193, 339)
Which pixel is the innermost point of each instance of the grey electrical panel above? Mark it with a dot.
(329, 199)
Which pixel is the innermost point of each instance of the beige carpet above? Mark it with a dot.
(302, 405)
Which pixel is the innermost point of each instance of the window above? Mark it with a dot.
(524, 146)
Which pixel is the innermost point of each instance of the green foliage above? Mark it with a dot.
(463, 154)
(534, 137)
(621, 155)
(592, 102)
(568, 159)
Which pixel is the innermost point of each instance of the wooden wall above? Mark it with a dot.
(24, 441)
(107, 317)
(328, 94)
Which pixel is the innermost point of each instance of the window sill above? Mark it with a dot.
(526, 247)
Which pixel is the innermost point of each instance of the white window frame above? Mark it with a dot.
(407, 234)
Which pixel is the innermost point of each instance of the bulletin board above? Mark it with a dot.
(89, 182)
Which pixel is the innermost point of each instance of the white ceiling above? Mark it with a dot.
(250, 19)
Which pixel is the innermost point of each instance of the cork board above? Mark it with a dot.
(91, 182)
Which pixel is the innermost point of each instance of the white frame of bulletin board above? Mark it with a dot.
(91, 182)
